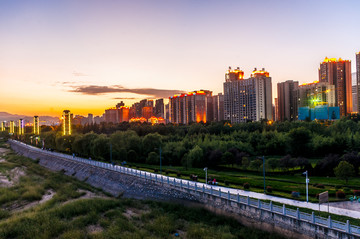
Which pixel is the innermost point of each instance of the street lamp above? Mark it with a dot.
(263, 159)
(160, 156)
(111, 154)
(307, 180)
(205, 169)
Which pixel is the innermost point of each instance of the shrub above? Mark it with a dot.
(337, 187)
(340, 194)
(166, 172)
(226, 183)
(178, 174)
(357, 192)
(320, 186)
(155, 170)
(246, 185)
(295, 194)
(347, 190)
(269, 189)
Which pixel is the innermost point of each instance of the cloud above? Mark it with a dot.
(79, 74)
(126, 98)
(98, 90)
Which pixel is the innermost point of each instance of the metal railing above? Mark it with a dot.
(195, 187)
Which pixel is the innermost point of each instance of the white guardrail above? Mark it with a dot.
(214, 191)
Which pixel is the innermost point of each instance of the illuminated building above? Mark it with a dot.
(319, 112)
(66, 121)
(337, 72)
(316, 93)
(36, 125)
(156, 120)
(286, 100)
(190, 107)
(21, 127)
(247, 99)
(276, 113)
(12, 127)
(147, 112)
(138, 119)
(159, 108)
(358, 80)
(3, 128)
(123, 114)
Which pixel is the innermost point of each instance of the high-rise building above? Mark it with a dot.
(3, 128)
(36, 125)
(190, 107)
(111, 115)
(167, 112)
(247, 99)
(358, 80)
(286, 100)
(90, 119)
(218, 107)
(315, 94)
(355, 98)
(21, 128)
(123, 114)
(66, 121)
(147, 112)
(12, 127)
(276, 113)
(118, 105)
(159, 108)
(338, 73)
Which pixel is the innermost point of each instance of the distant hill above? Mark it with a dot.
(4, 116)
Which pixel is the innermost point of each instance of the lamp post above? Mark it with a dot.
(160, 151)
(205, 169)
(263, 158)
(160, 158)
(307, 180)
(111, 154)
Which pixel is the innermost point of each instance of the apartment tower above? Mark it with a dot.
(337, 72)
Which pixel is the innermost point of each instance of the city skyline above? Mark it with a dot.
(73, 55)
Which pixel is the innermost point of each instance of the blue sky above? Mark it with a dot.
(52, 48)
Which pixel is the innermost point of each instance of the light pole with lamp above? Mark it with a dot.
(307, 180)
(205, 169)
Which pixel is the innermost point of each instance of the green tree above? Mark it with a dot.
(151, 142)
(300, 141)
(344, 171)
(153, 158)
(196, 156)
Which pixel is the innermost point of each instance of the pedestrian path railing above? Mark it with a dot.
(195, 187)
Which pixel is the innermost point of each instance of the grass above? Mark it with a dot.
(282, 184)
(67, 216)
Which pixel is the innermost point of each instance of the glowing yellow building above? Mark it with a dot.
(337, 72)
(36, 125)
(12, 127)
(3, 126)
(66, 120)
(21, 127)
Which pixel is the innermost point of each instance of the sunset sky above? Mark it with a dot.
(87, 55)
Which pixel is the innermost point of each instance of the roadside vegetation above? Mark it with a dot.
(44, 204)
(233, 153)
